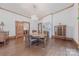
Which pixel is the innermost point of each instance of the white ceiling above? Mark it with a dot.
(38, 9)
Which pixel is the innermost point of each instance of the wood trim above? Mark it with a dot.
(68, 38)
(77, 45)
(22, 22)
(16, 27)
(14, 12)
(57, 11)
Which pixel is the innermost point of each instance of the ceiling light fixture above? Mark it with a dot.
(34, 6)
(34, 9)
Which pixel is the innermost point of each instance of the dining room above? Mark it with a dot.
(43, 29)
(32, 32)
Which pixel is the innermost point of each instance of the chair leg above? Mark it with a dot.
(30, 44)
(7, 41)
(4, 42)
(44, 44)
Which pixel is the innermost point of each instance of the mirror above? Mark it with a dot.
(40, 28)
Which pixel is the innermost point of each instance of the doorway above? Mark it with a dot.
(21, 26)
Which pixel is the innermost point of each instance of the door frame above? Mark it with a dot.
(22, 22)
(39, 25)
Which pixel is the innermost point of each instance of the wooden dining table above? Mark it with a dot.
(39, 36)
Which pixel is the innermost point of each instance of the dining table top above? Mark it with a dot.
(41, 35)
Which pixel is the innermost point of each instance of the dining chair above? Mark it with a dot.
(31, 39)
(44, 39)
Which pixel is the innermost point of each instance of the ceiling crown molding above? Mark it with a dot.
(35, 7)
(14, 12)
(64, 9)
(57, 11)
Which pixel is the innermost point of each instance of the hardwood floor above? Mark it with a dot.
(55, 47)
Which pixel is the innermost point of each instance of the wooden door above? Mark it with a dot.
(21, 28)
(19, 31)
